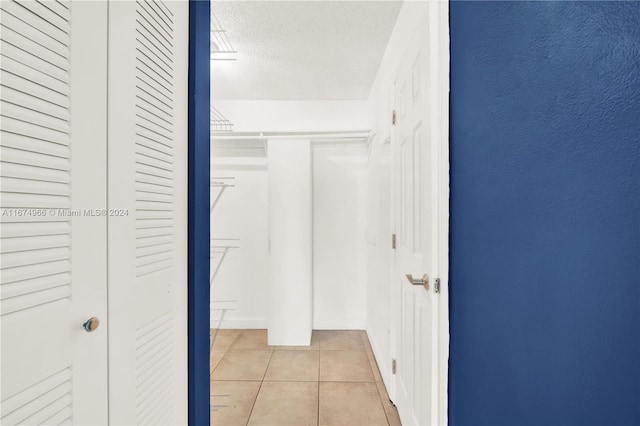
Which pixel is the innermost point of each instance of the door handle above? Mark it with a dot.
(91, 324)
(424, 281)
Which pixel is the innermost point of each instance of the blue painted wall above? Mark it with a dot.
(198, 215)
(545, 213)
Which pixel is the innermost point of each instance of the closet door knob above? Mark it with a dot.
(91, 324)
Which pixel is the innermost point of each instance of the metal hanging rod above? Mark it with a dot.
(356, 134)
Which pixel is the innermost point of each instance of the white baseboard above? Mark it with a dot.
(339, 323)
(240, 323)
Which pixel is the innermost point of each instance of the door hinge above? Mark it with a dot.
(393, 241)
(393, 366)
(393, 117)
(436, 285)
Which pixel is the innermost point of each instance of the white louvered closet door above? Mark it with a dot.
(148, 60)
(53, 259)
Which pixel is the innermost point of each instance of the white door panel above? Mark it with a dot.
(53, 251)
(148, 49)
(414, 181)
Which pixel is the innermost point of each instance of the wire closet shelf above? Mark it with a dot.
(221, 47)
(219, 248)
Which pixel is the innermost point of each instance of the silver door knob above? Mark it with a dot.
(91, 324)
(424, 281)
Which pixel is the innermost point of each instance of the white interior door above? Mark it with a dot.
(147, 176)
(53, 237)
(414, 326)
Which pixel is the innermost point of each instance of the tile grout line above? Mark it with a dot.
(272, 349)
(224, 352)
(254, 403)
(380, 397)
(253, 406)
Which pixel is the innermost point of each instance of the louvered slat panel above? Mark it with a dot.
(147, 9)
(152, 241)
(10, 230)
(30, 59)
(34, 159)
(155, 71)
(65, 3)
(162, 226)
(159, 37)
(19, 244)
(148, 102)
(29, 186)
(38, 146)
(144, 47)
(25, 128)
(35, 248)
(149, 158)
(150, 187)
(154, 138)
(15, 97)
(31, 23)
(45, 54)
(142, 233)
(33, 257)
(12, 170)
(154, 124)
(155, 249)
(154, 370)
(38, 284)
(55, 7)
(38, 9)
(34, 75)
(23, 407)
(24, 273)
(35, 117)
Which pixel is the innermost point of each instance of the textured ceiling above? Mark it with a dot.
(294, 50)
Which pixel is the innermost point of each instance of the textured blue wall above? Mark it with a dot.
(545, 213)
(198, 212)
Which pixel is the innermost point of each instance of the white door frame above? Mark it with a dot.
(438, 19)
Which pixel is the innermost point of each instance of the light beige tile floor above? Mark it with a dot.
(334, 381)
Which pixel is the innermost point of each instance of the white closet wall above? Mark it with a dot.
(339, 247)
(242, 212)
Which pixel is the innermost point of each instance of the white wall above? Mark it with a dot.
(242, 213)
(339, 247)
(339, 244)
(290, 244)
(379, 252)
(295, 116)
(378, 229)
